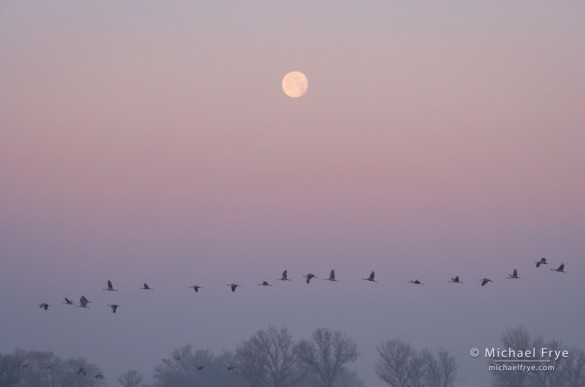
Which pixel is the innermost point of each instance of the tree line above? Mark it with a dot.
(272, 357)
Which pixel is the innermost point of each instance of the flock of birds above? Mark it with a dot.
(84, 302)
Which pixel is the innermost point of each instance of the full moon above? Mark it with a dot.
(295, 84)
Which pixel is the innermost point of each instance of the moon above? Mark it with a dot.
(295, 84)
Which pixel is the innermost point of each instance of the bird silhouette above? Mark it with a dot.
(99, 376)
(82, 371)
(231, 368)
(542, 261)
(83, 302)
(200, 368)
(371, 277)
(110, 287)
(309, 277)
(331, 276)
(284, 276)
(484, 281)
(560, 269)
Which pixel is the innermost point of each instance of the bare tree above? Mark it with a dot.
(131, 378)
(519, 340)
(269, 358)
(432, 370)
(327, 354)
(251, 363)
(11, 368)
(574, 368)
(554, 378)
(448, 366)
(79, 372)
(188, 367)
(44, 369)
(399, 365)
(438, 371)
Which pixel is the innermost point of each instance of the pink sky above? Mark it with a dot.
(450, 133)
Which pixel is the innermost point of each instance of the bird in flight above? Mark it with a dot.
(83, 302)
(455, 280)
(331, 276)
(560, 269)
(484, 281)
(371, 277)
(99, 376)
(44, 306)
(416, 282)
(284, 276)
(114, 307)
(68, 301)
(542, 261)
(196, 288)
(514, 275)
(110, 287)
(233, 286)
(264, 283)
(82, 371)
(231, 368)
(146, 287)
(200, 368)
(309, 277)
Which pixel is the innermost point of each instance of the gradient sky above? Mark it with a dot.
(151, 141)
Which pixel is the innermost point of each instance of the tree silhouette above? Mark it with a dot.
(517, 339)
(45, 369)
(574, 368)
(12, 368)
(400, 365)
(269, 358)
(327, 354)
(439, 370)
(188, 367)
(547, 379)
(130, 378)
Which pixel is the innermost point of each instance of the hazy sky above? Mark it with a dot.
(151, 141)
